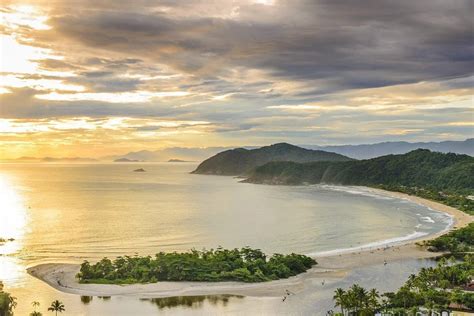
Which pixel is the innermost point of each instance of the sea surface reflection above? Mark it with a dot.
(69, 213)
(192, 302)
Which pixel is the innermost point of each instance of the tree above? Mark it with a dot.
(56, 306)
(358, 297)
(373, 299)
(35, 304)
(7, 304)
(340, 299)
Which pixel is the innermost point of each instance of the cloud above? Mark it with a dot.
(378, 44)
(256, 71)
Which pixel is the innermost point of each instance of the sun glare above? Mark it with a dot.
(13, 216)
(23, 15)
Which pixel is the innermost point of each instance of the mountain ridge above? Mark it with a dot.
(367, 151)
(240, 161)
(418, 168)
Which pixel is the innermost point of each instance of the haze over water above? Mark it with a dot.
(72, 212)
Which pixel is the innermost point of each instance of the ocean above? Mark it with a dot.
(72, 212)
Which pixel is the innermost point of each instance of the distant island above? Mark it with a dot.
(244, 265)
(177, 160)
(125, 160)
(241, 161)
(139, 170)
(4, 240)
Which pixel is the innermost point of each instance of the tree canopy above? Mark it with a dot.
(246, 265)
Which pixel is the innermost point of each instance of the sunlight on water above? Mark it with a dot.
(12, 216)
(10, 269)
(12, 225)
(68, 213)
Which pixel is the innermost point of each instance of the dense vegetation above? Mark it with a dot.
(420, 168)
(241, 161)
(456, 242)
(432, 288)
(7, 303)
(246, 265)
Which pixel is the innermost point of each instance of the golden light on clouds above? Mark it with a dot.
(20, 58)
(23, 15)
(122, 97)
(116, 76)
(18, 81)
(74, 133)
(87, 123)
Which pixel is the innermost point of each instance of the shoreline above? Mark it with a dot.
(331, 267)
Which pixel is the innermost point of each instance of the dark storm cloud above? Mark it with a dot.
(349, 44)
(298, 71)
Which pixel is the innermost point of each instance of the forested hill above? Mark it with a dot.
(240, 161)
(418, 168)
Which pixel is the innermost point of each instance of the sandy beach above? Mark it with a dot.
(330, 267)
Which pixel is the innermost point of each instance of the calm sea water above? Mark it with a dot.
(72, 212)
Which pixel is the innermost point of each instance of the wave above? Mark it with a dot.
(373, 245)
(354, 190)
(396, 241)
(427, 219)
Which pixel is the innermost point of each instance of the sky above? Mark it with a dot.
(93, 78)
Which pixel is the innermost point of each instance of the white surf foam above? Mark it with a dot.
(444, 217)
(427, 219)
(373, 245)
(355, 190)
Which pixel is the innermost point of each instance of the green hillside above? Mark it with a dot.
(419, 168)
(241, 161)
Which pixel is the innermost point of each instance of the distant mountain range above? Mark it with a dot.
(418, 168)
(380, 149)
(240, 161)
(125, 160)
(179, 153)
(365, 151)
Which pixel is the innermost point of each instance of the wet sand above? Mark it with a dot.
(329, 269)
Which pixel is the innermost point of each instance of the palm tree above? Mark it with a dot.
(340, 299)
(359, 295)
(35, 304)
(12, 303)
(56, 306)
(373, 298)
